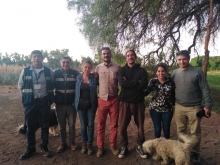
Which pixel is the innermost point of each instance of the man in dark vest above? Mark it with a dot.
(36, 85)
(64, 83)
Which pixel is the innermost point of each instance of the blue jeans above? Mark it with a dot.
(87, 124)
(163, 118)
(36, 114)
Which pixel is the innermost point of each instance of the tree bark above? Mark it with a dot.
(207, 38)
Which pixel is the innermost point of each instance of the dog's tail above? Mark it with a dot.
(189, 141)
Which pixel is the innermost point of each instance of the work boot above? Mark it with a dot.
(73, 146)
(84, 148)
(100, 152)
(90, 149)
(114, 150)
(61, 148)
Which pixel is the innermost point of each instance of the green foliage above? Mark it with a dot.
(10, 78)
(213, 79)
(1, 78)
(214, 62)
(53, 58)
(157, 24)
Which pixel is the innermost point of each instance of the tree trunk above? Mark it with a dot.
(207, 38)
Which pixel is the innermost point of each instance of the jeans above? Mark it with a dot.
(163, 118)
(87, 118)
(66, 113)
(39, 113)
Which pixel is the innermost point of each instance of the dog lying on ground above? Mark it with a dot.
(164, 149)
(53, 125)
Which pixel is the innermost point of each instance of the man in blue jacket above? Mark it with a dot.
(36, 85)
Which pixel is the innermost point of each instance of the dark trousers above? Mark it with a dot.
(37, 114)
(125, 113)
(161, 118)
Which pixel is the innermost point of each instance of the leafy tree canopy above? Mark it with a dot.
(214, 62)
(160, 25)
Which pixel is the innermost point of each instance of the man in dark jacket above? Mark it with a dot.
(64, 83)
(133, 80)
(36, 85)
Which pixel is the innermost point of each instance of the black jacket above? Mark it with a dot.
(133, 81)
(65, 88)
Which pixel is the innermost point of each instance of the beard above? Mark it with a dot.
(107, 60)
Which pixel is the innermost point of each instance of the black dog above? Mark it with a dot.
(53, 124)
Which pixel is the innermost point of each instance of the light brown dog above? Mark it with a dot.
(164, 149)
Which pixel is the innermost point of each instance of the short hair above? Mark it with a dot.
(132, 52)
(37, 52)
(106, 48)
(160, 65)
(183, 53)
(65, 57)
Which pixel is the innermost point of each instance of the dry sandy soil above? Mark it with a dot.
(12, 144)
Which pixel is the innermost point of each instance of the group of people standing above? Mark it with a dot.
(77, 93)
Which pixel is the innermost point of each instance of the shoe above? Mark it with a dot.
(84, 148)
(196, 158)
(45, 151)
(73, 146)
(114, 150)
(100, 152)
(123, 152)
(141, 152)
(61, 148)
(89, 148)
(27, 154)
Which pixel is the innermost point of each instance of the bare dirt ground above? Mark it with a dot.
(12, 144)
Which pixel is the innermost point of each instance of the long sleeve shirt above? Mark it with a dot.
(191, 87)
(133, 81)
(163, 98)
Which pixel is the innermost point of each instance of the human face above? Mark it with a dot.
(161, 73)
(106, 55)
(65, 64)
(87, 68)
(130, 58)
(37, 60)
(183, 61)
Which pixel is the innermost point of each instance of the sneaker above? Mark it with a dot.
(27, 154)
(61, 148)
(141, 152)
(73, 146)
(45, 151)
(196, 158)
(114, 150)
(100, 152)
(123, 152)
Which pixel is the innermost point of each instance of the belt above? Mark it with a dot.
(109, 97)
(41, 98)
